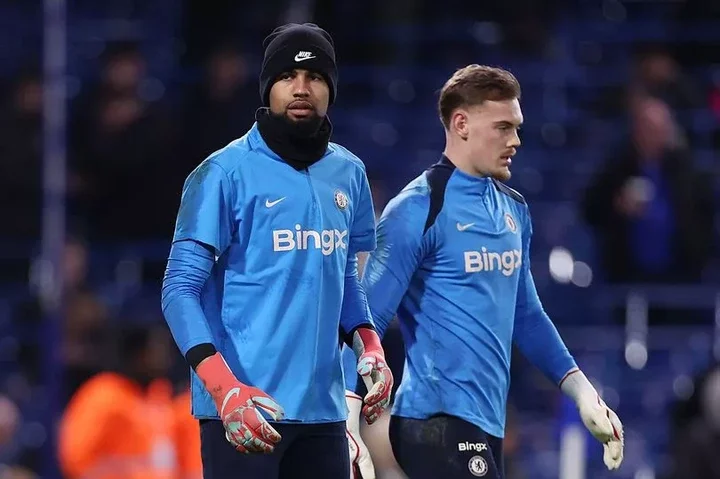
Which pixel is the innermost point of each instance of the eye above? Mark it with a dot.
(316, 77)
(285, 76)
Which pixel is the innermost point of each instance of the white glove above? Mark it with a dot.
(600, 420)
(359, 454)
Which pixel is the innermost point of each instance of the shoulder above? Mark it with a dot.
(348, 157)
(510, 192)
(233, 156)
(410, 206)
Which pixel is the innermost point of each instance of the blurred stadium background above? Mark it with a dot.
(106, 106)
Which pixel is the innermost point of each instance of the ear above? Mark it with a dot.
(459, 123)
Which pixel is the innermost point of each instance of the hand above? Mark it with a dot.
(605, 426)
(373, 369)
(245, 426)
(239, 408)
(360, 460)
(600, 420)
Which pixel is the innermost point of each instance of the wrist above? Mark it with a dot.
(216, 375)
(577, 386)
(366, 340)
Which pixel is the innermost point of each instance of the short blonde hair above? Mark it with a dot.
(473, 85)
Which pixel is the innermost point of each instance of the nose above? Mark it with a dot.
(514, 140)
(300, 86)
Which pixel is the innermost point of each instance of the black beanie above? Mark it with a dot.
(292, 46)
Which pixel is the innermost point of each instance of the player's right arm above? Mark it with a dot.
(203, 231)
(389, 268)
(386, 277)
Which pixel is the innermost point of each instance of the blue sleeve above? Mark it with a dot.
(206, 208)
(534, 333)
(188, 269)
(355, 311)
(362, 233)
(400, 248)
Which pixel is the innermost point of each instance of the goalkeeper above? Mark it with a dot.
(453, 263)
(261, 284)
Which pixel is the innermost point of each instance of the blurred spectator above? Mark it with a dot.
(654, 72)
(121, 424)
(187, 438)
(85, 347)
(697, 441)
(650, 208)
(120, 134)
(219, 110)
(20, 159)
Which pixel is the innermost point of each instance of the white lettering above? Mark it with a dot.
(327, 241)
(507, 262)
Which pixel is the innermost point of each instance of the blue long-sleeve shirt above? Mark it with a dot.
(262, 257)
(453, 264)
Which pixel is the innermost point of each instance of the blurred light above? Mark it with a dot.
(33, 435)
(683, 387)
(402, 91)
(614, 11)
(384, 134)
(582, 275)
(487, 32)
(151, 89)
(644, 472)
(553, 134)
(636, 354)
(561, 265)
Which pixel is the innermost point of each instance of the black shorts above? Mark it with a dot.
(305, 451)
(445, 446)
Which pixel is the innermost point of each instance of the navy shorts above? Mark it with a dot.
(445, 446)
(318, 451)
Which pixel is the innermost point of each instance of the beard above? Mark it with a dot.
(300, 127)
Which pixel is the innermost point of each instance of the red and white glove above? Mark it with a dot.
(373, 369)
(600, 420)
(361, 465)
(239, 407)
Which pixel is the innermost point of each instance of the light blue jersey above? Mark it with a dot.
(283, 239)
(453, 263)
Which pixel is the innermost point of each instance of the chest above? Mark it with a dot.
(287, 210)
(481, 236)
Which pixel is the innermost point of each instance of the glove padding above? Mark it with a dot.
(245, 426)
(600, 420)
(378, 379)
(605, 426)
(239, 407)
(360, 460)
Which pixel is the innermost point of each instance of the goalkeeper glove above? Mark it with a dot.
(239, 407)
(600, 420)
(373, 369)
(360, 460)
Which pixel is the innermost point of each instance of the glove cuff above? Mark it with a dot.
(366, 340)
(577, 386)
(217, 377)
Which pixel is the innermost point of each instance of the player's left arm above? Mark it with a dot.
(540, 342)
(355, 319)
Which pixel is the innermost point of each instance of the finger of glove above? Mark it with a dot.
(269, 405)
(256, 444)
(376, 409)
(612, 455)
(241, 449)
(378, 393)
(261, 428)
